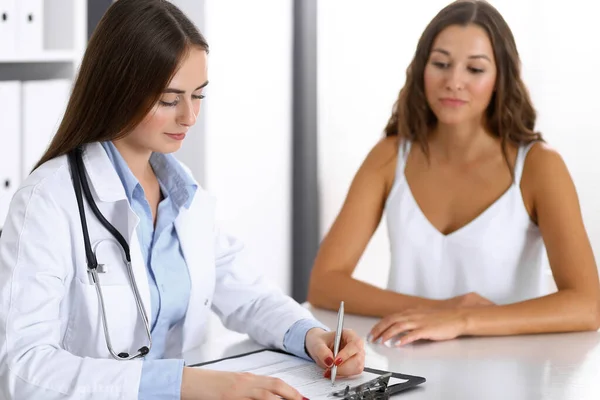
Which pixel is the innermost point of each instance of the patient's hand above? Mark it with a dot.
(409, 326)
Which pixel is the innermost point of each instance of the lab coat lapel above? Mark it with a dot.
(140, 272)
(107, 187)
(195, 231)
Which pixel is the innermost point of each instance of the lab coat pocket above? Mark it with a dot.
(85, 335)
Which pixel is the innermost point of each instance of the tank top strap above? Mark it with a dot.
(403, 151)
(520, 161)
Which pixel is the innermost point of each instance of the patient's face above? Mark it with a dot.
(460, 74)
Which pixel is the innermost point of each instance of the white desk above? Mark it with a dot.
(555, 366)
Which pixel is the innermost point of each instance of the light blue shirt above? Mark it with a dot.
(168, 276)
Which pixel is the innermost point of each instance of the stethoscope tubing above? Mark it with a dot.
(80, 181)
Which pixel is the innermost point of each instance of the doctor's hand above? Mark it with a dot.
(350, 359)
(431, 324)
(203, 384)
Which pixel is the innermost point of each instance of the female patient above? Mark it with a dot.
(474, 200)
(138, 92)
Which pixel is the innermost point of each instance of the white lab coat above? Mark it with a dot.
(52, 344)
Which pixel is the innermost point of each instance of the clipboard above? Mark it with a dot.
(412, 381)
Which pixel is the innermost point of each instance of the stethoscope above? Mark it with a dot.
(79, 181)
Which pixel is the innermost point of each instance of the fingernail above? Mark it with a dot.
(338, 361)
(305, 398)
(329, 361)
(388, 343)
(327, 373)
(378, 341)
(370, 337)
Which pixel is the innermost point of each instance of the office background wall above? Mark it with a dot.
(363, 54)
(244, 159)
(254, 146)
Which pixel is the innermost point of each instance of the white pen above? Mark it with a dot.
(338, 338)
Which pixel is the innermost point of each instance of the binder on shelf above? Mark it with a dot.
(10, 131)
(8, 27)
(30, 26)
(44, 105)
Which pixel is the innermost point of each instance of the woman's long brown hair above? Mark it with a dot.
(131, 57)
(510, 114)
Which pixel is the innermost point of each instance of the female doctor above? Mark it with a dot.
(112, 317)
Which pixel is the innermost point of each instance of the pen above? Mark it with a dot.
(338, 338)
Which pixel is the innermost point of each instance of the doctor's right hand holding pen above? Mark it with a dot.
(350, 360)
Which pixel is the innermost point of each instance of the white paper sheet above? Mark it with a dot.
(301, 374)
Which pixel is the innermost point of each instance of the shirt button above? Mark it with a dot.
(206, 302)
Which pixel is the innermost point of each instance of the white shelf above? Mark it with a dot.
(50, 56)
(45, 68)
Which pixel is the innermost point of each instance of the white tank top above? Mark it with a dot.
(500, 254)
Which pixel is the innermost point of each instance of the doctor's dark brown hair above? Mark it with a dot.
(510, 114)
(131, 57)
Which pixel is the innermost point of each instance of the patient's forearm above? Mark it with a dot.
(563, 311)
(359, 297)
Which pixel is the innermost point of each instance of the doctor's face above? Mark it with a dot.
(166, 125)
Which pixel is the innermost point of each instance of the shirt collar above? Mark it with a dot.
(179, 185)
